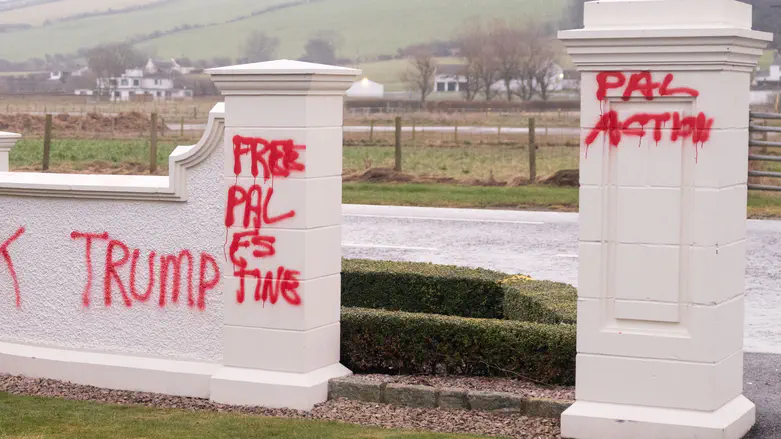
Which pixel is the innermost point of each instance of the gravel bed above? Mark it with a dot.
(483, 384)
(380, 415)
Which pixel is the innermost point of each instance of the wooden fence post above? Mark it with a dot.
(398, 144)
(455, 136)
(162, 127)
(371, 132)
(153, 146)
(47, 142)
(532, 151)
(181, 128)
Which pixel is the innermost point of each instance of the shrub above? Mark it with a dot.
(540, 301)
(422, 287)
(415, 343)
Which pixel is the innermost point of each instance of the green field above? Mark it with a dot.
(463, 163)
(44, 418)
(502, 162)
(41, 12)
(388, 73)
(369, 27)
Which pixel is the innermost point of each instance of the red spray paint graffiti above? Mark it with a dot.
(118, 255)
(255, 213)
(697, 128)
(9, 263)
(276, 159)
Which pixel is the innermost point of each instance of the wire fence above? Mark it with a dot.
(434, 147)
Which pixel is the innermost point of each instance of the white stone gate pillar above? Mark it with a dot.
(663, 170)
(7, 141)
(283, 185)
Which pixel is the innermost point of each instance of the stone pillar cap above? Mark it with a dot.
(8, 140)
(283, 77)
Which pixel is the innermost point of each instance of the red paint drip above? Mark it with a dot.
(88, 256)
(10, 264)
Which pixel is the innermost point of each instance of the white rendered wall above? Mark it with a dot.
(275, 342)
(52, 273)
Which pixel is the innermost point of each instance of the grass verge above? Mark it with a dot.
(443, 195)
(22, 416)
(761, 205)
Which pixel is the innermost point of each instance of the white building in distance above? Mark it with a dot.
(136, 84)
(366, 88)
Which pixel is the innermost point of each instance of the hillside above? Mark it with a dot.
(39, 12)
(369, 27)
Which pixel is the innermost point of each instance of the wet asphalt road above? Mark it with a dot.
(544, 246)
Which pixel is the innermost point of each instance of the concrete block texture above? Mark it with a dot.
(495, 402)
(355, 390)
(255, 387)
(411, 395)
(282, 180)
(281, 350)
(315, 147)
(593, 420)
(659, 383)
(664, 117)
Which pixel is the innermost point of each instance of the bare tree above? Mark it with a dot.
(508, 48)
(537, 72)
(420, 74)
(112, 60)
(546, 76)
(260, 47)
(470, 81)
(481, 62)
(322, 47)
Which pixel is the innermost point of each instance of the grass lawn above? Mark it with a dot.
(468, 162)
(443, 195)
(35, 417)
(760, 204)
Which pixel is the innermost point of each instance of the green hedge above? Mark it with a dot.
(540, 301)
(415, 343)
(421, 287)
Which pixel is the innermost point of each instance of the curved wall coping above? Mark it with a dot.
(122, 187)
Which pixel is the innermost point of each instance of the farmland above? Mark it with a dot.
(369, 28)
(40, 12)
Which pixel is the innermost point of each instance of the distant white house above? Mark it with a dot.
(61, 75)
(135, 83)
(451, 78)
(366, 88)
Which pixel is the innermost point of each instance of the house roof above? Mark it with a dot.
(451, 69)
